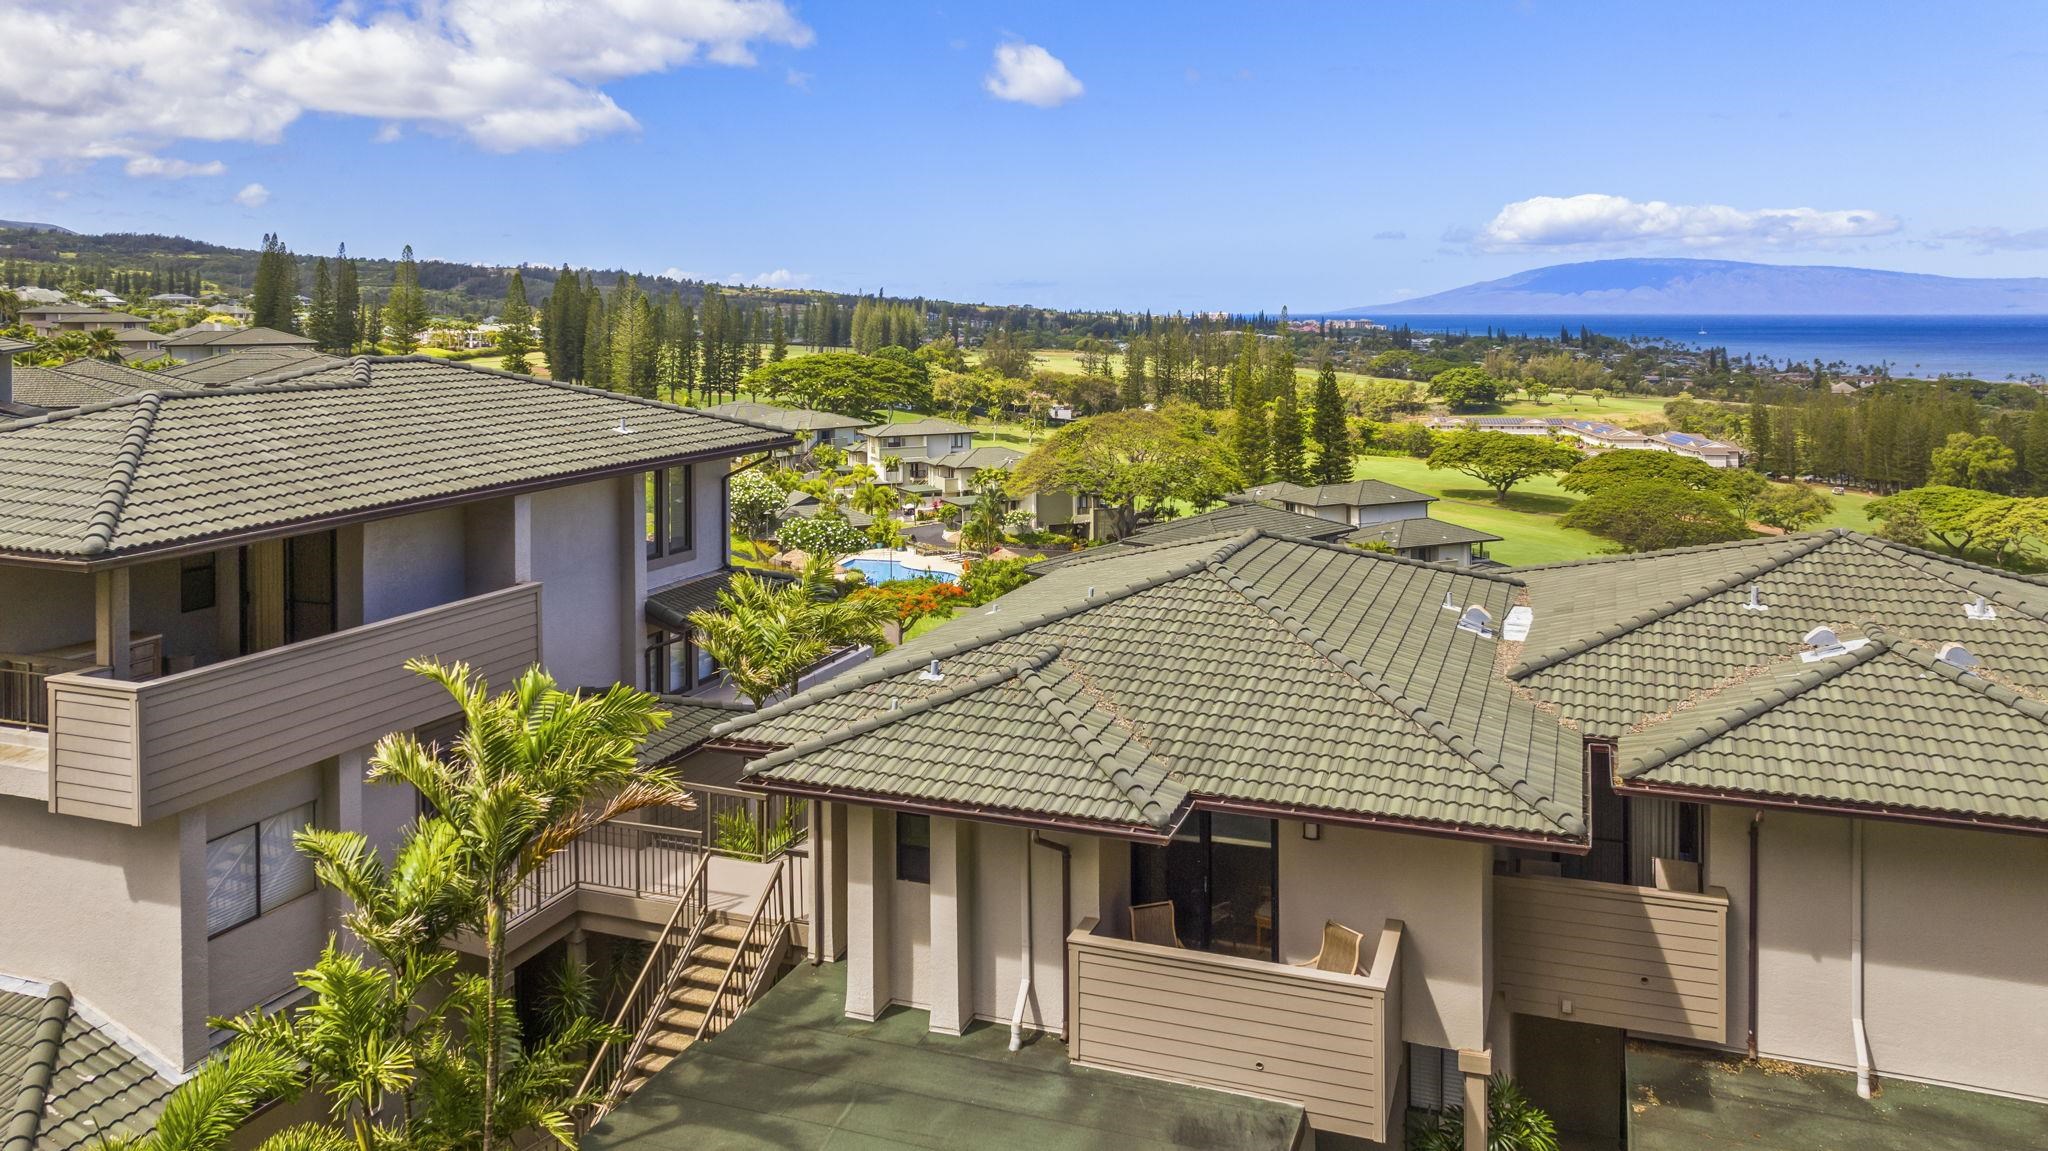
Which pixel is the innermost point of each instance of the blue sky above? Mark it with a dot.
(1185, 156)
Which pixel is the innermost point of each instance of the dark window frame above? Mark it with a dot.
(197, 589)
(913, 859)
(254, 829)
(659, 514)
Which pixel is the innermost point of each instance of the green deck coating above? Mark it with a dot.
(1682, 1099)
(794, 1072)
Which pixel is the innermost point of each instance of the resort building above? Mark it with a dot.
(1394, 518)
(914, 445)
(206, 599)
(811, 428)
(52, 319)
(1344, 833)
(1712, 452)
(207, 340)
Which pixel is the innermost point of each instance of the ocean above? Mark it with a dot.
(1983, 347)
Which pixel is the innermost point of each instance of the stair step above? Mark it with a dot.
(652, 1062)
(725, 932)
(671, 1042)
(713, 953)
(699, 995)
(684, 1018)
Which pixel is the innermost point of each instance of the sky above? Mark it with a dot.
(1183, 156)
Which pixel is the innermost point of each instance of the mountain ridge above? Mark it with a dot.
(1697, 287)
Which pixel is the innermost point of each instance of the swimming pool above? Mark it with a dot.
(883, 566)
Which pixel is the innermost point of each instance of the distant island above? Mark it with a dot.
(1667, 287)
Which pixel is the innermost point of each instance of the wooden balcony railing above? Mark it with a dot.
(1639, 958)
(1328, 1042)
(132, 752)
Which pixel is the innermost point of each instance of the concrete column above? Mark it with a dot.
(522, 538)
(111, 624)
(1477, 1066)
(578, 944)
(632, 579)
(227, 602)
(870, 879)
(952, 925)
(192, 974)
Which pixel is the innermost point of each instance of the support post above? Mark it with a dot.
(1477, 1066)
(111, 625)
(870, 879)
(952, 924)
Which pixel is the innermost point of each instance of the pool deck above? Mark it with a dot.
(794, 1072)
(1684, 1098)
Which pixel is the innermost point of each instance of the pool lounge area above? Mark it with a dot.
(881, 565)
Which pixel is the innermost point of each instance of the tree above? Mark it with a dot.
(1251, 438)
(821, 535)
(1289, 451)
(320, 313)
(987, 579)
(1329, 430)
(1941, 512)
(764, 634)
(1788, 507)
(756, 505)
(983, 531)
(405, 311)
(844, 382)
(1465, 388)
(1499, 460)
(534, 768)
(1742, 489)
(348, 306)
(2010, 527)
(1003, 355)
(778, 350)
(515, 339)
(1132, 459)
(1648, 515)
(1967, 461)
(274, 300)
(1591, 473)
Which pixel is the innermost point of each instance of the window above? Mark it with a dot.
(254, 870)
(913, 848)
(962, 443)
(195, 583)
(892, 441)
(1434, 1081)
(671, 507)
(919, 471)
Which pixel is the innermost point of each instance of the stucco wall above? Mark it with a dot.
(998, 923)
(1383, 513)
(96, 905)
(61, 611)
(253, 963)
(1955, 984)
(707, 529)
(579, 550)
(413, 562)
(1437, 887)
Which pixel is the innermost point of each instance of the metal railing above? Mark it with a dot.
(754, 957)
(639, 1016)
(624, 857)
(24, 701)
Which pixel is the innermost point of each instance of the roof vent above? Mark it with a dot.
(894, 703)
(622, 429)
(931, 673)
(1516, 628)
(1981, 610)
(1827, 645)
(1957, 656)
(1450, 601)
(1091, 592)
(1756, 599)
(1477, 620)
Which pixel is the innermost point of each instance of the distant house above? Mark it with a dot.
(1600, 435)
(105, 297)
(810, 427)
(954, 477)
(8, 347)
(241, 367)
(1426, 539)
(1715, 453)
(178, 298)
(1381, 512)
(1511, 425)
(72, 385)
(915, 444)
(51, 319)
(203, 341)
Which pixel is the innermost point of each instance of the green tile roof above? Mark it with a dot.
(163, 468)
(244, 366)
(65, 1084)
(671, 606)
(57, 388)
(1418, 532)
(928, 426)
(982, 457)
(788, 419)
(1228, 520)
(1257, 670)
(690, 720)
(1356, 493)
(203, 336)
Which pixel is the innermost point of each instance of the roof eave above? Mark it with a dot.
(1006, 816)
(1544, 841)
(1848, 808)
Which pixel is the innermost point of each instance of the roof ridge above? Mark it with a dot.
(1691, 549)
(1812, 676)
(1530, 665)
(884, 718)
(1344, 549)
(484, 370)
(106, 517)
(1518, 786)
(1113, 762)
(874, 671)
(2026, 705)
(38, 1072)
(1922, 560)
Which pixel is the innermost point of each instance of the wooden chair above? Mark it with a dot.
(1340, 950)
(1153, 923)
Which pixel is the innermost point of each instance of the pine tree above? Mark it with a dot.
(320, 316)
(565, 327)
(597, 339)
(778, 350)
(348, 304)
(754, 336)
(1762, 444)
(1289, 457)
(1250, 439)
(274, 300)
(405, 312)
(711, 376)
(1131, 390)
(515, 338)
(686, 353)
(1333, 438)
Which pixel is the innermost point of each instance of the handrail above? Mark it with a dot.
(694, 905)
(716, 1015)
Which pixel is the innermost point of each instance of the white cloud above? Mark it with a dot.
(801, 81)
(89, 80)
(388, 134)
(171, 169)
(253, 196)
(1028, 74)
(781, 278)
(1390, 234)
(1617, 221)
(1994, 239)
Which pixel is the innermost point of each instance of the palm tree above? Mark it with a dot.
(206, 1110)
(764, 634)
(100, 344)
(534, 768)
(874, 499)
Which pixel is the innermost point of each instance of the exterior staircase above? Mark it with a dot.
(701, 974)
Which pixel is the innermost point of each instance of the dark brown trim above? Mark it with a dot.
(1562, 844)
(1832, 807)
(365, 515)
(952, 811)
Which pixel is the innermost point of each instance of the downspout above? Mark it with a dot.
(1756, 821)
(816, 858)
(1066, 911)
(1860, 1036)
(1024, 985)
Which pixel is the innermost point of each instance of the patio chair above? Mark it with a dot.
(1153, 923)
(1340, 950)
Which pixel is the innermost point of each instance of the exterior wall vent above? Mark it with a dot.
(1478, 621)
(1981, 610)
(1959, 657)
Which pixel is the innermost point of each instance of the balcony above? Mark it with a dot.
(1328, 1042)
(1652, 961)
(132, 751)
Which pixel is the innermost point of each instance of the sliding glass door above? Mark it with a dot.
(1221, 874)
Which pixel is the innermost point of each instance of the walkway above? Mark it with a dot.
(794, 1072)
